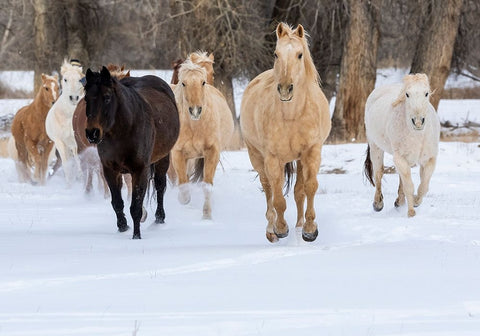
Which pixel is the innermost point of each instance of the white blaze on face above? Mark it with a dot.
(54, 94)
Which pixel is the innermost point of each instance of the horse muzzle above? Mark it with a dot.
(195, 112)
(93, 135)
(285, 91)
(418, 123)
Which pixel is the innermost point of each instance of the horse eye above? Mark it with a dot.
(183, 84)
(275, 55)
(300, 56)
(426, 94)
(107, 99)
(46, 88)
(203, 83)
(406, 94)
(65, 80)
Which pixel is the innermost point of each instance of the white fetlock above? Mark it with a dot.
(184, 193)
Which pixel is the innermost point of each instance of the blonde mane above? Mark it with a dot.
(293, 34)
(408, 81)
(200, 56)
(189, 66)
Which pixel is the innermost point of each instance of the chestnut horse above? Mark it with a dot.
(206, 127)
(134, 122)
(89, 159)
(28, 129)
(285, 117)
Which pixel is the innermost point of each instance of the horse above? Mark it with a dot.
(284, 118)
(58, 123)
(400, 120)
(89, 159)
(206, 126)
(134, 122)
(32, 143)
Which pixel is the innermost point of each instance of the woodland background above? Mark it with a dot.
(349, 40)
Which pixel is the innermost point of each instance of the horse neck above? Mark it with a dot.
(41, 103)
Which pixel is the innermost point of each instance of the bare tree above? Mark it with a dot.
(358, 71)
(433, 54)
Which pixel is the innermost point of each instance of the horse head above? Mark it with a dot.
(72, 86)
(192, 78)
(415, 95)
(291, 60)
(49, 90)
(203, 59)
(100, 104)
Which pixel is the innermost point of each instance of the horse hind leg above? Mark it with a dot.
(160, 181)
(426, 172)
(376, 157)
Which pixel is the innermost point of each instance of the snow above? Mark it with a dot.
(65, 270)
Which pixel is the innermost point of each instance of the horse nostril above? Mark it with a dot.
(279, 89)
(199, 110)
(423, 121)
(290, 88)
(190, 109)
(413, 121)
(92, 135)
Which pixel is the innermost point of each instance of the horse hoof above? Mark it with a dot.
(411, 213)
(281, 235)
(159, 220)
(272, 237)
(397, 203)
(378, 207)
(310, 237)
(136, 236)
(123, 228)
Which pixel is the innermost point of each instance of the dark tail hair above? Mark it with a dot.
(197, 175)
(367, 167)
(289, 175)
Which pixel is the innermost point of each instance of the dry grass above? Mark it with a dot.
(462, 93)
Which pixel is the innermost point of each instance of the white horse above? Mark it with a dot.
(58, 123)
(400, 120)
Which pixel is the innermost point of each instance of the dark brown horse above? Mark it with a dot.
(176, 68)
(134, 122)
(90, 162)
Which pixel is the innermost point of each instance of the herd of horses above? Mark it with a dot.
(136, 130)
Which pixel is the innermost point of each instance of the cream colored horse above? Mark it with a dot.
(284, 118)
(58, 123)
(400, 120)
(206, 126)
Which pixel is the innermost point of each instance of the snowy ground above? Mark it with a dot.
(66, 271)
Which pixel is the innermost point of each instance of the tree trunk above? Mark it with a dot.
(357, 71)
(433, 54)
(48, 45)
(76, 33)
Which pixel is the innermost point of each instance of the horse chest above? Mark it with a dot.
(289, 140)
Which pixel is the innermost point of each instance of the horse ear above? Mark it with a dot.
(211, 57)
(105, 77)
(300, 31)
(127, 74)
(89, 75)
(44, 77)
(281, 31)
(194, 58)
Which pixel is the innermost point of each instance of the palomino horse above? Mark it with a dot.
(285, 117)
(89, 159)
(206, 126)
(400, 120)
(134, 122)
(58, 123)
(28, 129)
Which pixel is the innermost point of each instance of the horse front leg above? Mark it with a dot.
(426, 172)
(160, 181)
(274, 170)
(311, 164)
(114, 181)
(404, 171)
(212, 156)
(180, 165)
(139, 186)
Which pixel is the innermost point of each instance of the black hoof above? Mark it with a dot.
(159, 220)
(310, 237)
(123, 228)
(281, 235)
(378, 208)
(137, 236)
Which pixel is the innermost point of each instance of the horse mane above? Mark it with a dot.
(408, 81)
(67, 66)
(291, 33)
(118, 71)
(200, 56)
(189, 66)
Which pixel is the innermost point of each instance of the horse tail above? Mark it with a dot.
(197, 175)
(289, 176)
(368, 168)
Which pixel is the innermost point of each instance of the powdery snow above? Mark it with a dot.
(66, 271)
